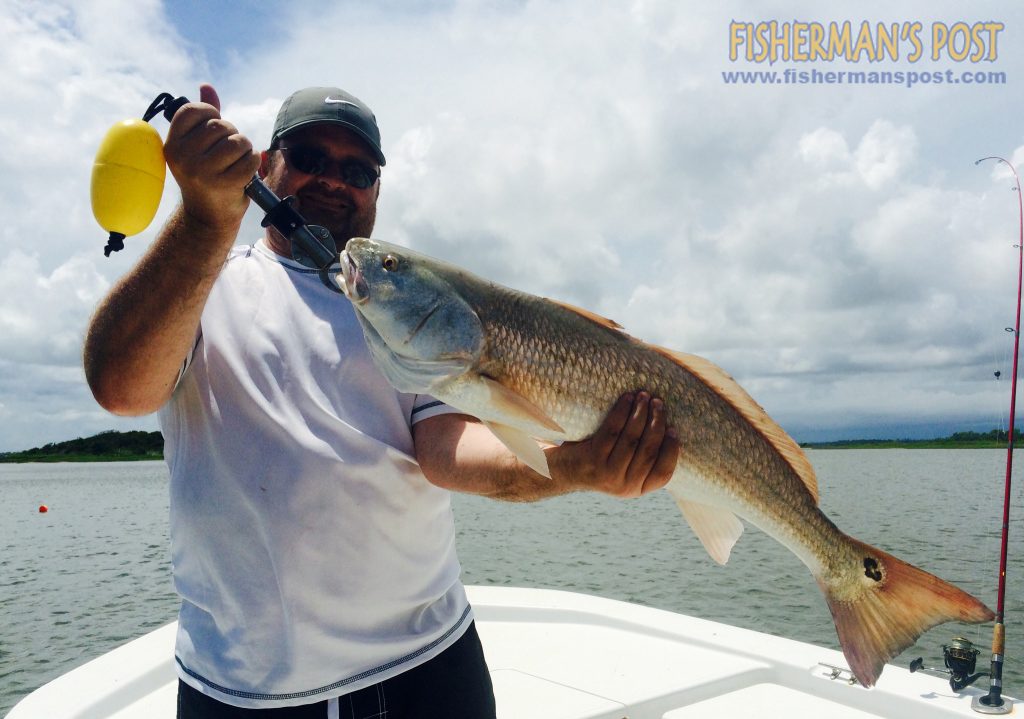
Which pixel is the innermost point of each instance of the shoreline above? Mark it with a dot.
(902, 444)
(138, 446)
(29, 457)
(56, 458)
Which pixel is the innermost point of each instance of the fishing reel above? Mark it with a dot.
(128, 182)
(960, 658)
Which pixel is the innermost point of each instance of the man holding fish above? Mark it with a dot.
(311, 530)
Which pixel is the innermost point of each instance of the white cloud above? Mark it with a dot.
(831, 246)
(42, 315)
(73, 69)
(884, 152)
(824, 148)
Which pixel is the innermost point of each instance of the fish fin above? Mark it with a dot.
(522, 446)
(727, 388)
(513, 404)
(603, 321)
(716, 528)
(892, 604)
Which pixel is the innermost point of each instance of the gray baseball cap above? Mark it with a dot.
(328, 104)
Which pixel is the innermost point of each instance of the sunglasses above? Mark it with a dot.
(314, 161)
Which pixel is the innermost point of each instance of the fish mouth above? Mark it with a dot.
(354, 286)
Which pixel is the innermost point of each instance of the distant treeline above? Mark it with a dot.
(995, 438)
(111, 446)
(106, 446)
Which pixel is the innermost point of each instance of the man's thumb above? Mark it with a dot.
(208, 95)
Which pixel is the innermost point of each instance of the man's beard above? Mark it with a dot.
(344, 223)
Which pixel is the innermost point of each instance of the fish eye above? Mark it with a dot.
(389, 263)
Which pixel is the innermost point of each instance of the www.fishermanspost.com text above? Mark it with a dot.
(903, 78)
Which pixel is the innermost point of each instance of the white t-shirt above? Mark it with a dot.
(312, 556)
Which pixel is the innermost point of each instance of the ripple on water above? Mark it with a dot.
(79, 580)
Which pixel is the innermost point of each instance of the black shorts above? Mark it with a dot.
(453, 685)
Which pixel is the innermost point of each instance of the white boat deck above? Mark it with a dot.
(559, 655)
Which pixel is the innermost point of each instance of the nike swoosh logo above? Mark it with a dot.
(331, 101)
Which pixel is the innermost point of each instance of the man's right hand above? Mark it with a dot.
(211, 161)
(144, 328)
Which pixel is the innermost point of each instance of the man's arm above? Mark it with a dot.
(632, 453)
(144, 328)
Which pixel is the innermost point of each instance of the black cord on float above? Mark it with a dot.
(165, 102)
(115, 243)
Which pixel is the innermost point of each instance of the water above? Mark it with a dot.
(86, 576)
(94, 571)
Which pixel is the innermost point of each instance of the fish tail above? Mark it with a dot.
(888, 606)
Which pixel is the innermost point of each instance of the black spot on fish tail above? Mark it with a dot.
(871, 570)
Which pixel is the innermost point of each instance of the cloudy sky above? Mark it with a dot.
(832, 245)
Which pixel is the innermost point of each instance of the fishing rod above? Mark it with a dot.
(960, 655)
(128, 181)
(993, 702)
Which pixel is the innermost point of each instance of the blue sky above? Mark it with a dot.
(833, 246)
(222, 31)
(220, 35)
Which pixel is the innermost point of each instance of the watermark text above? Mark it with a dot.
(794, 41)
(904, 78)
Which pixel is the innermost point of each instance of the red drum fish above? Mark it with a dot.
(533, 369)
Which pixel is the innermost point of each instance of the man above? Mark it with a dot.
(311, 529)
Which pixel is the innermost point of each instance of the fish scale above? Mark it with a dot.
(596, 370)
(532, 368)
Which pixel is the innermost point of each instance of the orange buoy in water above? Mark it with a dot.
(43, 509)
